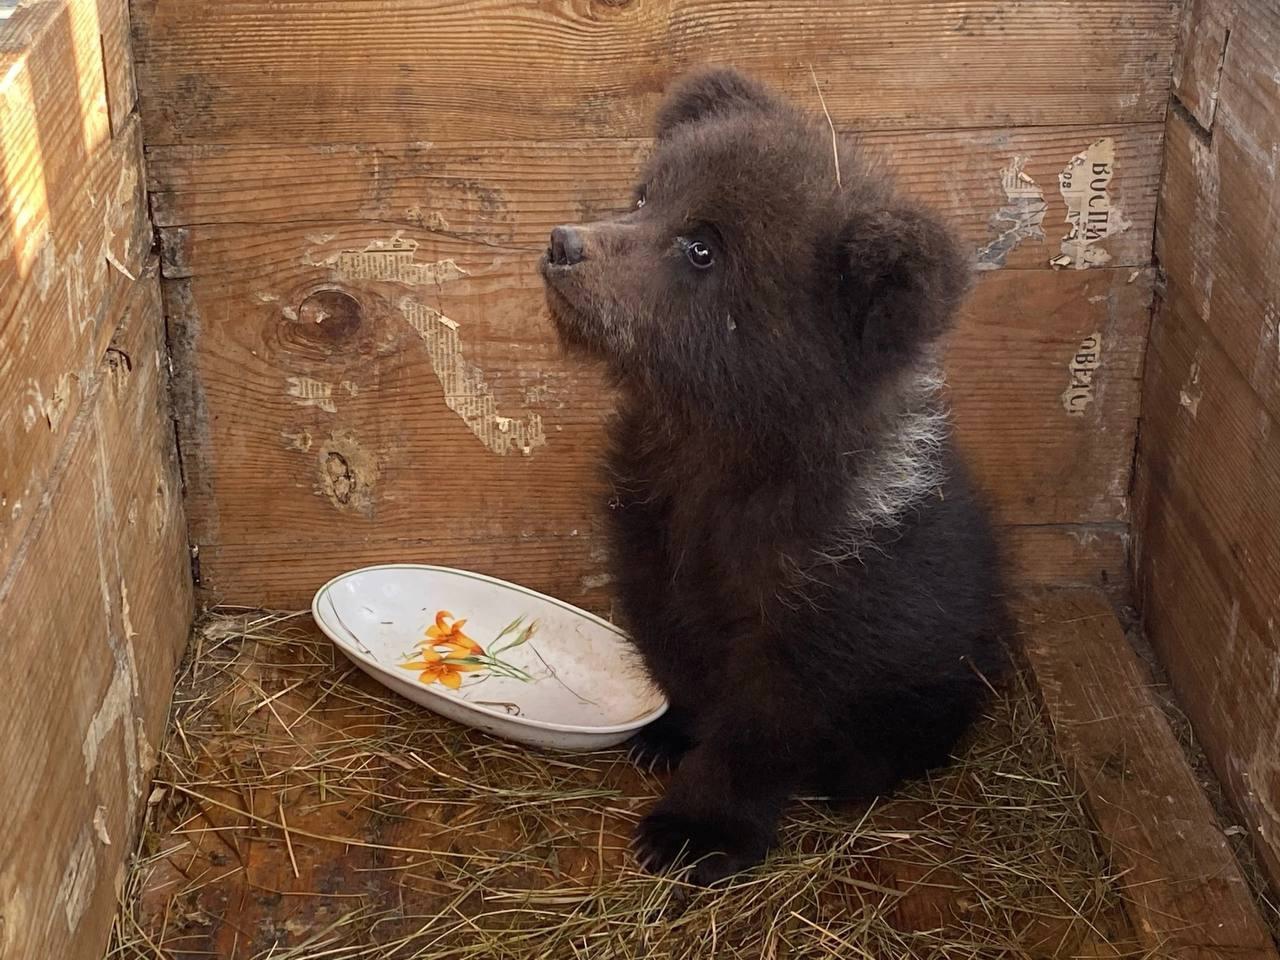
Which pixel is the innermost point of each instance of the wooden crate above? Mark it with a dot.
(95, 591)
(229, 229)
(1207, 563)
(423, 173)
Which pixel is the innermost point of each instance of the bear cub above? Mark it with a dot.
(798, 553)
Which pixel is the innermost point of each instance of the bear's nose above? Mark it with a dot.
(566, 246)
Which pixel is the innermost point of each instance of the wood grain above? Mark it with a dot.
(98, 608)
(1088, 554)
(115, 28)
(253, 71)
(1203, 36)
(285, 574)
(95, 590)
(1187, 898)
(506, 195)
(269, 398)
(281, 137)
(1008, 369)
(57, 318)
(71, 197)
(1208, 473)
(53, 119)
(1219, 235)
(1208, 561)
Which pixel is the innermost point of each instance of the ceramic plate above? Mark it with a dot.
(490, 654)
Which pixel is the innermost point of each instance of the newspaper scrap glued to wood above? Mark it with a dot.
(1083, 366)
(466, 391)
(1090, 211)
(1019, 219)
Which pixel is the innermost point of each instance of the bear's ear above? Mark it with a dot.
(706, 92)
(902, 277)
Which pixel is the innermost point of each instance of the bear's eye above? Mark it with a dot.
(640, 201)
(699, 254)
(642, 195)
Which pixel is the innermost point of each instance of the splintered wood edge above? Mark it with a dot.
(1182, 886)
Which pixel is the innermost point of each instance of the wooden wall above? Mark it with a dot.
(352, 197)
(95, 596)
(1208, 490)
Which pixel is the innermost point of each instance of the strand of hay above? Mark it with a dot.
(302, 811)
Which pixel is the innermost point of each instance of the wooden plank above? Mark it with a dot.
(1208, 561)
(93, 579)
(53, 119)
(146, 530)
(1208, 476)
(256, 71)
(56, 321)
(1044, 450)
(97, 607)
(303, 433)
(1187, 897)
(511, 194)
(117, 61)
(1088, 554)
(285, 574)
(71, 200)
(1203, 36)
(1219, 230)
(52, 697)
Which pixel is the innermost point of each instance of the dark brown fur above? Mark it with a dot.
(797, 551)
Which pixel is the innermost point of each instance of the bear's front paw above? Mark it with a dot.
(712, 849)
(659, 746)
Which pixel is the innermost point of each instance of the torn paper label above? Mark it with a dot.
(297, 441)
(465, 391)
(308, 392)
(1191, 391)
(393, 260)
(1019, 219)
(1083, 368)
(1091, 214)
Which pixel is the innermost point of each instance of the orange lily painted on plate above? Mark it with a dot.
(445, 634)
(436, 668)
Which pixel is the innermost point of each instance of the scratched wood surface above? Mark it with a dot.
(379, 237)
(508, 195)
(1184, 889)
(1208, 478)
(58, 153)
(95, 591)
(1079, 554)
(300, 811)
(97, 606)
(253, 71)
(340, 431)
(285, 142)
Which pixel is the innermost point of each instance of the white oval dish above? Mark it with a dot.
(499, 657)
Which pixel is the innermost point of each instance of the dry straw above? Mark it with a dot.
(302, 811)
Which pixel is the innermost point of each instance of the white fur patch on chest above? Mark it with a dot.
(899, 471)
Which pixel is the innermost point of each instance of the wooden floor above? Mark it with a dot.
(302, 811)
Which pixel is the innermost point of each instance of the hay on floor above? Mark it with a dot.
(302, 811)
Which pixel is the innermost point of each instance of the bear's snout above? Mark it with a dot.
(567, 246)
